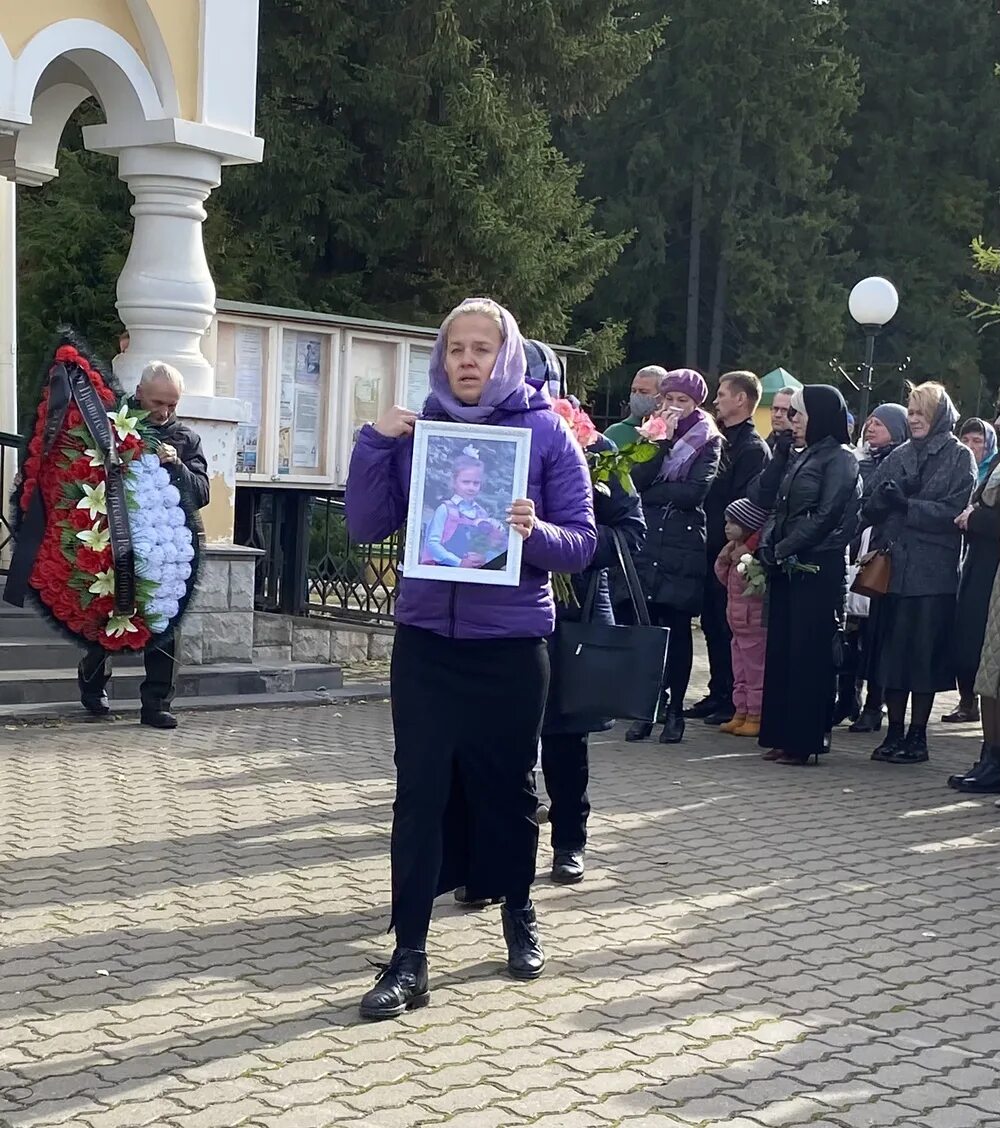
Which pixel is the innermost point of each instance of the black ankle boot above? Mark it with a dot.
(956, 781)
(673, 728)
(401, 986)
(638, 730)
(894, 740)
(869, 721)
(984, 779)
(525, 958)
(914, 748)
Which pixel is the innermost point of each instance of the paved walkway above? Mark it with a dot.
(187, 918)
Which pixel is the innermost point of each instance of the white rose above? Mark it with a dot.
(746, 558)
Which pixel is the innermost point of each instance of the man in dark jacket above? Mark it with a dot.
(744, 455)
(160, 388)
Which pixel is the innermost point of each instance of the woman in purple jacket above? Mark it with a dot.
(470, 667)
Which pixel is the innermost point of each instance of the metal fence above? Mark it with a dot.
(345, 579)
(9, 445)
(309, 565)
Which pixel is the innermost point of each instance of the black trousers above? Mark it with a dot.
(566, 767)
(157, 690)
(718, 638)
(466, 716)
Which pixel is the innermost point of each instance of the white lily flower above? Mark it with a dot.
(95, 500)
(119, 625)
(104, 583)
(96, 538)
(95, 456)
(124, 423)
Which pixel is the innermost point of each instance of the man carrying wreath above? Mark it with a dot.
(160, 389)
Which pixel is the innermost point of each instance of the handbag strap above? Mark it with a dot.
(631, 579)
(587, 611)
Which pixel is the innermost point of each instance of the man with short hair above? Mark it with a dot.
(779, 415)
(643, 401)
(160, 389)
(744, 455)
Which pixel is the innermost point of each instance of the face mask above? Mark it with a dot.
(641, 405)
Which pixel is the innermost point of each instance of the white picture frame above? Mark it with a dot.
(464, 478)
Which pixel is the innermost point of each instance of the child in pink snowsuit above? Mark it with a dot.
(745, 615)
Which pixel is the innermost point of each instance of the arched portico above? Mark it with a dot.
(137, 65)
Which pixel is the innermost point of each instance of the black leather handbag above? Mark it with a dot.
(611, 671)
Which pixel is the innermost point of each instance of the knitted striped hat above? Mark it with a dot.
(747, 515)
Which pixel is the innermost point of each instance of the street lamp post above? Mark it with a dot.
(873, 304)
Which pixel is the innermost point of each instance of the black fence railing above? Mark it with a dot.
(9, 446)
(309, 565)
(345, 579)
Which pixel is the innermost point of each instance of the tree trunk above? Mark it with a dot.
(718, 313)
(694, 271)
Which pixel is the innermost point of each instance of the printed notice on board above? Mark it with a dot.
(305, 453)
(249, 370)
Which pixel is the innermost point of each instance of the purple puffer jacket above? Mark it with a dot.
(563, 540)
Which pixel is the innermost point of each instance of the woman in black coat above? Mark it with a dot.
(815, 498)
(673, 564)
(913, 502)
(981, 524)
(565, 739)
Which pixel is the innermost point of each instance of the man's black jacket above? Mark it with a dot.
(744, 455)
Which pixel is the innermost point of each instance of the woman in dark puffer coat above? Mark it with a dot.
(672, 566)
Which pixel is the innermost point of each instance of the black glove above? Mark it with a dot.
(893, 497)
(783, 443)
(910, 486)
(765, 554)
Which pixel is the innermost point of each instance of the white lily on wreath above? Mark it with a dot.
(95, 499)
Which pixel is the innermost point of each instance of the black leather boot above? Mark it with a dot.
(638, 730)
(705, 708)
(869, 721)
(894, 740)
(673, 728)
(525, 958)
(567, 867)
(984, 779)
(401, 986)
(956, 780)
(157, 718)
(914, 748)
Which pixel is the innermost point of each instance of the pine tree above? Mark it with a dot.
(924, 165)
(721, 154)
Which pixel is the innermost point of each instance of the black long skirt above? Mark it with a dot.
(800, 678)
(913, 643)
(466, 717)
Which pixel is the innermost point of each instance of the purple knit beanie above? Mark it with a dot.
(688, 381)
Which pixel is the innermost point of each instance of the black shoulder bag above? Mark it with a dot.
(611, 671)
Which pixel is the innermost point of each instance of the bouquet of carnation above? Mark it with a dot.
(604, 465)
(103, 539)
(754, 573)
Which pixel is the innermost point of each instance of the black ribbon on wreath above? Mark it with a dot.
(66, 385)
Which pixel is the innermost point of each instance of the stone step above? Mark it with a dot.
(48, 654)
(232, 681)
(71, 711)
(25, 623)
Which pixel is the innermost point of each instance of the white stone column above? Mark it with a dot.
(8, 308)
(166, 296)
(166, 300)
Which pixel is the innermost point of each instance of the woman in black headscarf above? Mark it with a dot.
(815, 498)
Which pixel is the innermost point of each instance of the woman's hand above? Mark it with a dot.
(962, 520)
(473, 560)
(521, 517)
(669, 417)
(893, 497)
(396, 422)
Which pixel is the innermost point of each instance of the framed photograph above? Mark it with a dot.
(464, 479)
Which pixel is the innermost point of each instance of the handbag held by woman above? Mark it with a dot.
(609, 670)
(874, 574)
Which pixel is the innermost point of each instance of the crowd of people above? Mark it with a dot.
(762, 539)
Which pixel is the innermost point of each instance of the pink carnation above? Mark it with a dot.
(579, 422)
(654, 429)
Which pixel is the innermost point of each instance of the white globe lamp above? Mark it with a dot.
(873, 301)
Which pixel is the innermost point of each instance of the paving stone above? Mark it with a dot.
(733, 958)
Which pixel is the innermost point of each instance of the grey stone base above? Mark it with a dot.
(284, 638)
(219, 624)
